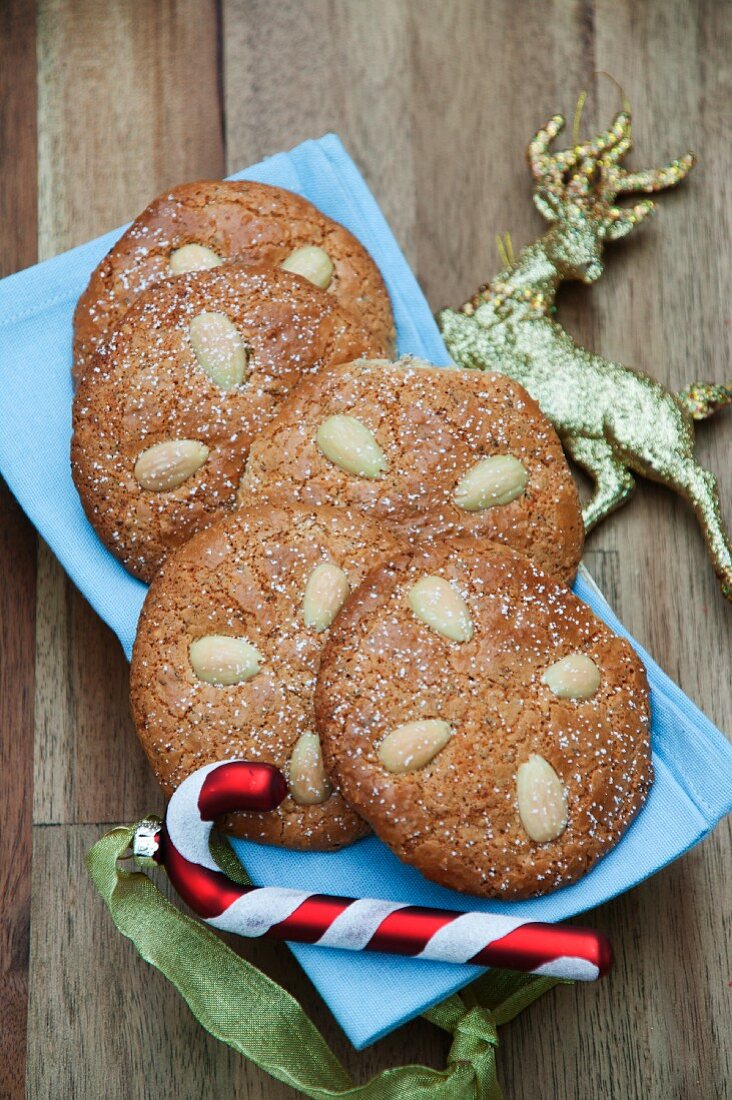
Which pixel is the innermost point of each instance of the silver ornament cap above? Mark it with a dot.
(146, 842)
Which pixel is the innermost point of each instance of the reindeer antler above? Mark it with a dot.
(550, 170)
(615, 181)
(546, 169)
(590, 174)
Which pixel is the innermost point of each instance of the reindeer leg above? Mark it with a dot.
(614, 482)
(699, 486)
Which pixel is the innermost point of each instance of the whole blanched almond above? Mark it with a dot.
(219, 347)
(165, 466)
(409, 747)
(309, 785)
(542, 799)
(223, 659)
(349, 444)
(574, 677)
(325, 594)
(436, 603)
(193, 257)
(313, 263)
(497, 479)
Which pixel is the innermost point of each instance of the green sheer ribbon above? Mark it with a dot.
(244, 1008)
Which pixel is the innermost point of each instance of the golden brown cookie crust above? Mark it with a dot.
(456, 819)
(246, 577)
(147, 386)
(432, 424)
(238, 220)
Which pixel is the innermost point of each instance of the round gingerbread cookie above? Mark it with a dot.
(489, 727)
(201, 225)
(164, 419)
(227, 653)
(427, 450)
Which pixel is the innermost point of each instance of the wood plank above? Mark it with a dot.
(128, 104)
(296, 70)
(17, 561)
(104, 1023)
(470, 144)
(143, 78)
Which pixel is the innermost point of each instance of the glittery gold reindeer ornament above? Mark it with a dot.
(613, 421)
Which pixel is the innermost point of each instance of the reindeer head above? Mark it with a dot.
(577, 190)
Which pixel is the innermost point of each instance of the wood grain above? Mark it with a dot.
(17, 562)
(436, 103)
(294, 71)
(128, 104)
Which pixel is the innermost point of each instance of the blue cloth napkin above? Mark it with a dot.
(370, 995)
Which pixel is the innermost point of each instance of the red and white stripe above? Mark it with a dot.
(363, 924)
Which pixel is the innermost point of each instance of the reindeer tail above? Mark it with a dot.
(702, 399)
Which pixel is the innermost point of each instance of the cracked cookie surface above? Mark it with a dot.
(245, 580)
(428, 450)
(226, 220)
(467, 759)
(191, 398)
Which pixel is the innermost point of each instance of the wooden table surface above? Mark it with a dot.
(106, 102)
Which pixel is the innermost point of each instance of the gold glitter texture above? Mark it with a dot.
(613, 421)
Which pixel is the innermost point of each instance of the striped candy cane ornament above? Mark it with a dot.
(353, 924)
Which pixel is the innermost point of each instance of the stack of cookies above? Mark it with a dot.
(216, 301)
(359, 567)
